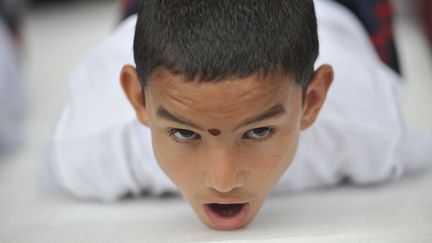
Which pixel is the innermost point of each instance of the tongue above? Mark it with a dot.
(226, 210)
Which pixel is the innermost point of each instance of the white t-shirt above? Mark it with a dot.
(99, 150)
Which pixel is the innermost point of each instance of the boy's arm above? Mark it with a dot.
(106, 166)
(96, 166)
(99, 150)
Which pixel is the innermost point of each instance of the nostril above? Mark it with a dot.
(224, 183)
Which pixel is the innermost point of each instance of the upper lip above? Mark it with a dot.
(226, 201)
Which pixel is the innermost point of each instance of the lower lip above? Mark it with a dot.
(227, 223)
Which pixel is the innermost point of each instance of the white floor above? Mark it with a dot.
(57, 37)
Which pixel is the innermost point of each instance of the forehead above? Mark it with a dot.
(163, 79)
(224, 98)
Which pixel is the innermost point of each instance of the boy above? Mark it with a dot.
(228, 91)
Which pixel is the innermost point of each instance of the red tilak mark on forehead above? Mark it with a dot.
(214, 131)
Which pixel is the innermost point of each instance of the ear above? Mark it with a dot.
(316, 94)
(132, 88)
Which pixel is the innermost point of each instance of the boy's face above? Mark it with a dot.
(225, 144)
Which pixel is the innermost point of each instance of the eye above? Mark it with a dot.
(259, 134)
(183, 135)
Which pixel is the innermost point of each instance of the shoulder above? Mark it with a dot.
(365, 92)
(96, 99)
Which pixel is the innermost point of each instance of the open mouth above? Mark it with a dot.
(226, 210)
(227, 215)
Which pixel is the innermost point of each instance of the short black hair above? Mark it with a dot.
(211, 40)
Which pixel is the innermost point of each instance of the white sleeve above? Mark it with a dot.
(360, 134)
(99, 149)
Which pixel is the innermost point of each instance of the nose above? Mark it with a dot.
(224, 172)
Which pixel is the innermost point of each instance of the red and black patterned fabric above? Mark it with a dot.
(129, 7)
(377, 18)
(425, 7)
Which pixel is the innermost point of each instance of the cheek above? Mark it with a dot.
(272, 162)
(176, 161)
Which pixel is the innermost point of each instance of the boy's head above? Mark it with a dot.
(226, 86)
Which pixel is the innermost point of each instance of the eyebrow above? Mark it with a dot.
(164, 113)
(274, 111)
